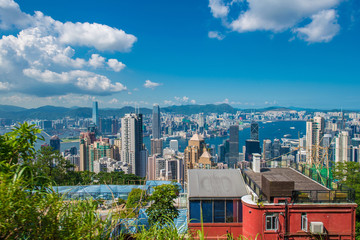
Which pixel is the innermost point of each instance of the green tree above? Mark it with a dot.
(30, 210)
(162, 209)
(348, 173)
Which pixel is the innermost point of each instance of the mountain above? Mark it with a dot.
(194, 109)
(52, 112)
(10, 108)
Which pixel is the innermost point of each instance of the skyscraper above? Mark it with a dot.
(156, 146)
(132, 142)
(95, 114)
(342, 147)
(234, 146)
(156, 124)
(252, 146)
(266, 149)
(254, 131)
(55, 143)
(314, 137)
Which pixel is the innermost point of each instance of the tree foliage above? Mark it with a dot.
(29, 209)
(348, 173)
(162, 209)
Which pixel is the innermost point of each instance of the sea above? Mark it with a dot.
(267, 130)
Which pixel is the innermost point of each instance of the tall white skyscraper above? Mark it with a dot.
(341, 147)
(95, 114)
(174, 145)
(132, 143)
(314, 137)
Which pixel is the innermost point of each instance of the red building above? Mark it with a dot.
(295, 207)
(215, 200)
(276, 203)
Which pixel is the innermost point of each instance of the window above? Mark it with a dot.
(195, 211)
(304, 222)
(271, 221)
(229, 211)
(219, 211)
(207, 211)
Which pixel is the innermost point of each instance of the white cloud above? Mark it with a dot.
(215, 34)
(322, 28)
(12, 16)
(276, 16)
(4, 86)
(102, 37)
(180, 101)
(218, 8)
(114, 101)
(84, 80)
(150, 84)
(96, 61)
(115, 65)
(168, 102)
(40, 60)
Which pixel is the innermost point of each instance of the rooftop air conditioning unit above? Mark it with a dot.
(317, 227)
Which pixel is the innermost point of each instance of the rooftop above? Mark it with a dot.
(301, 181)
(216, 183)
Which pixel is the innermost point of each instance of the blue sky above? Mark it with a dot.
(247, 53)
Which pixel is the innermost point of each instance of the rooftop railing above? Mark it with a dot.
(323, 196)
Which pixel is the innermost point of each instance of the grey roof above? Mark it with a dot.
(216, 183)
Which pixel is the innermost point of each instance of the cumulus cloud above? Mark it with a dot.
(180, 101)
(215, 34)
(218, 8)
(40, 60)
(278, 16)
(12, 16)
(4, 86)
(102, 37)
(115, 65)
(96, 61)
(322, 28)
(150, 84)
(84, 80)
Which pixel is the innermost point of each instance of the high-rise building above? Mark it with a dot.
(55, 143)
(174, 145)
(314, 137)
(266, 149)
(193, 151)
(342, 147)
(254, 130)
(132, 142)
(233, 146)
(86, 139)
(156, 146)
(252, 146)
(156, 124)
(95, 114)
(221, 153)
(276, 148)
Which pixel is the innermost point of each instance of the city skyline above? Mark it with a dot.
(301, 55)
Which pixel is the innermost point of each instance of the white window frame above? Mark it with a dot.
(304, 222)
(274, 221)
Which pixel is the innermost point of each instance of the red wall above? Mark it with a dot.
(338, 219)
(217, 230)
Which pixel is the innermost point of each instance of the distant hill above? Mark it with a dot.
(194, 109)
(273, 108)
(52, 112)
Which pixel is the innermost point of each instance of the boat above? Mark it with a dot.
(287, 135)
(292, 127)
